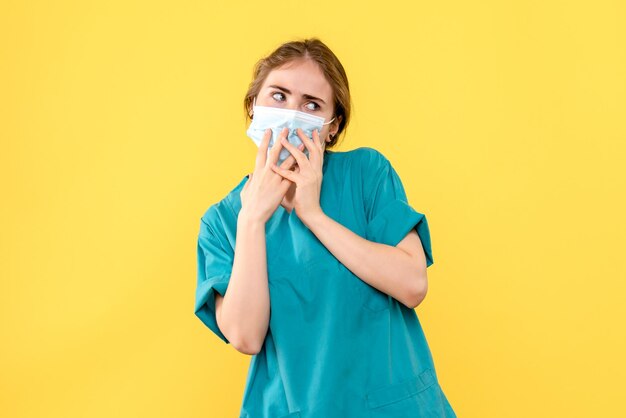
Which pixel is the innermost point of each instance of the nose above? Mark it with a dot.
(291, 104)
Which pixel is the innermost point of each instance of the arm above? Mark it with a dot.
(393, 264)
(397, 271)
(243, 312)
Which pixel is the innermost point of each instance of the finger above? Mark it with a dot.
(288, 174)
(284, 185)
(318, 140)
(310, 144)
(262, 151)
(277, 147)
(289, 161)
(299, 155)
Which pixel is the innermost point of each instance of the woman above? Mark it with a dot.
(323, 259)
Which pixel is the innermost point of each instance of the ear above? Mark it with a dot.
(335, 126)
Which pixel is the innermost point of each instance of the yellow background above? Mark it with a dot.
(121, 122)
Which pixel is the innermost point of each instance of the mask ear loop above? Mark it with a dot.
(331, 136)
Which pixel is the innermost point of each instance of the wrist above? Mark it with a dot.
(313, 219)
(249, 218)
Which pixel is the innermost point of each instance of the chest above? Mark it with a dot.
(303, 273)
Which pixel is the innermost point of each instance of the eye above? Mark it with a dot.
(316, 106)
(274, 94)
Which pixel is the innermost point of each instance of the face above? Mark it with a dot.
(301, 85)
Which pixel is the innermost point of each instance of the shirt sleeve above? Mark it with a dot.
(215, 261)
(389, 215)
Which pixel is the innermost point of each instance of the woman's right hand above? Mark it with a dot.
(265, 189)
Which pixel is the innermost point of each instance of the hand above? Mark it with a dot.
(307, 174)
(265, 189)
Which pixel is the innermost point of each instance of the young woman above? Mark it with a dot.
(314, 263)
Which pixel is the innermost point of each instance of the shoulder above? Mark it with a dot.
(370, 158)
(366, 158)
(369, 161)
(222, 214)
(369, 153)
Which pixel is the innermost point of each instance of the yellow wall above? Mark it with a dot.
(121, 122)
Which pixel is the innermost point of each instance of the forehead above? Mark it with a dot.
(301, 77)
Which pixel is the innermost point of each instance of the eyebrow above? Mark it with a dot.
(306, 96)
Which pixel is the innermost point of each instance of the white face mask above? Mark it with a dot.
(277, 118)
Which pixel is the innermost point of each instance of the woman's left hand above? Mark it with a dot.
(307, 174)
